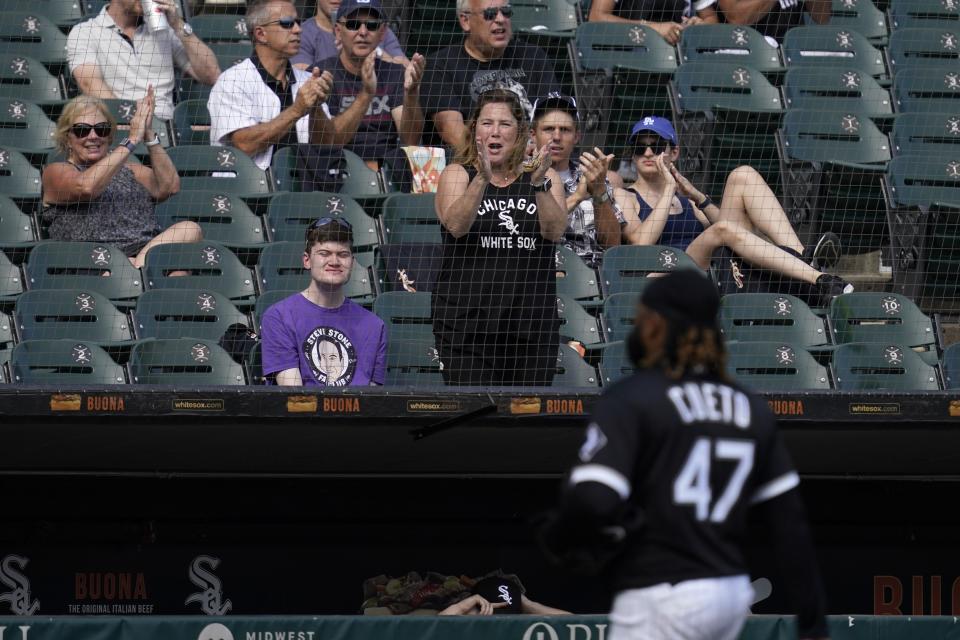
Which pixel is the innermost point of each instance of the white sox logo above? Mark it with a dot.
(948, 41)
(951, 81)
(851, 80)
(668, 259)
(335, 205)
(19, 66)
(226, 159)
(953, 126)
(850, 124)
(891, 306)
(637, 36)
(200, 353)
(206, 302)
(785, 355)
(85, 302)
(953, 169)
(222, 204)
(81, 354)
(950, 5)
(740, 37)
(210, 256)
(378, 104)
(741, 77)
(893, 355)
(19, 596)
(506, 221)
(782, 307)
(212, 594)
(100, 256)
(844, 39)
(126, 111)
(17, 110)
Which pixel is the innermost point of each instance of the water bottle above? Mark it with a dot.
(156, 20)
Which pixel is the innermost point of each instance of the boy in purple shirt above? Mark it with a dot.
(317, 336)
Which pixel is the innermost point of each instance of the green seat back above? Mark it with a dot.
(254, 365)
(922, 180)
(827, 45)
(191, 122)
(920, 13)
(83, 265)
(576, 323)
(227, 54)
(30, 33)
(53, 314)
(575, 278)
(63, 362)
(224, 218)
(771, 317)
(814, 136)
(413, 362)
(283, 170)
(880, 317)
(615, 363)
(409, 217)
(919, 47)
(618, 314)
(218, 168)
(266, 300)
(6, 332)
(25, 78)
(123, 111)
(11, 282)
(16, 227)
(574, 371)
(926, 133)
(607, 45)
(930, 89)
(707, 86)
(184, 362)
(215, 28)
(835, 88)
(406, 315)
(210, 266)
(280, 268)
(289, 215)
(185, 313)
(24, 126)
(732, 44)
(543, 15)
(951, 367)
(626, 268)
(861, 16)
(860, 366)
(19, 179)
(775, 366)
(359, 179)
(63, 13)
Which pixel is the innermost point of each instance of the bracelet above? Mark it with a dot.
(706, 202)
(154, 142)
(598, 200)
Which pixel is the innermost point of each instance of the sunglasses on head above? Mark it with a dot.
(658, 146)
(82, 130)
(354, 24)
(490, 13)
(285, 22)
(327, 220)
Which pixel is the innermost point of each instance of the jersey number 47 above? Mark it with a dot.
(692, 484)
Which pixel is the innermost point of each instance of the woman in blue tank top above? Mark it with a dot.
(663, 207)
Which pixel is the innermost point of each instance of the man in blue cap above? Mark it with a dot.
(663, 207)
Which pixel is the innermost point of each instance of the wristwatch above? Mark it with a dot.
(154, 142)
(128, 143)
(601, 198)
(186, 30)
(546, 185)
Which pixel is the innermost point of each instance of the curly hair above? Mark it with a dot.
(688, 349)
(466, 152)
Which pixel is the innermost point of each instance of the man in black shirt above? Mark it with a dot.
(667, 17)
(691, 452)
(773, 18)
(488, 56)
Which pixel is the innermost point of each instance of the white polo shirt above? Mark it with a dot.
(241, 99)
(128, 67)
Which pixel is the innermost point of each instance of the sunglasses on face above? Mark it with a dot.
(355, 24)
(82, 130)
(286, 22)
(490, 13)
(658, 146)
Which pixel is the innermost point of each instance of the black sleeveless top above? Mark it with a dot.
(502, 269)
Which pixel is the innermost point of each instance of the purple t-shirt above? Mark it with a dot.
(317, 44)
(330, 347)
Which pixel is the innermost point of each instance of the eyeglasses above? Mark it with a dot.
(82, 130)
(490, 13)
(327, 220)
(354, 24)
(658, 147)
(286, 22)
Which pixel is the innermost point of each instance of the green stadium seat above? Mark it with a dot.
(19, 179)
(831, 166)
(25, 78)
(16, 227)
(224, 218)
(413, 363)
(827, 46)
(407, 316)
(25, 127)
(432, 24)
(283, 170)
(574, 371)
(11, 282)
(83, 265)
(30, 33)
(926, 133)
(75, 314)
(185, 313)
(63, 362)
(280, 268)
(576, 279)
(289, 215)
(627, 267)
(191, 123)
(930, 89)
(725, 115)
(210, 266)
(227, 54)
(731, 44)
(266, 300)
(576, 324)
(184, 362)
(409, 217)
(218, 168)
(615, 363)
(862, 16)
(215, 28)
(862, 366)
(771, 317)
(950, 367)
(887, 318)
(254, 365)
(536, 17)
(63, 13)
(123, 111)
(618, 314)
(920, 47)
(5, 364)
(358, 180)
(775, 366)
(836, 89)
(6, 332)
(922, 13)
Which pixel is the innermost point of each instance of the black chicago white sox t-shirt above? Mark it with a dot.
(693, 454)
(377, 131)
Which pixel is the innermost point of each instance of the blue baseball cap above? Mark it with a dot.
(660, 126)
(349, 6)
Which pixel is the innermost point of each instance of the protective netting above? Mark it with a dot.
(806, 161)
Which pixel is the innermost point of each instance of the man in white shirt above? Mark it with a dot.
(116, 55)
(264, 102)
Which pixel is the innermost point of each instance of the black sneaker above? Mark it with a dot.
(831, 286)
(826, 253)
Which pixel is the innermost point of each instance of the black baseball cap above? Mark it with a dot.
(685, 296)
(497, 589)
(555, 101)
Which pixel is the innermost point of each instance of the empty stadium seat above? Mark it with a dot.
(576, 279)
(627, 267)
(87, 266)
(615, 363)
(6, 332)
(576, 323)
(836, 89)
(775, 366)
(409, 217)
(224, 218)
(887, 318)
(30, 33)
(183, 362)
(827, 45)
(536, 17)
(769, 317)
(574, 371)
(922, 13)
(920, 47)
(929, 89)
(19, 179)
(618, 314)
(209, 266)
(862, 366)
(11, 282)
(407, 316)
(214, 28)
(185, 313)
(16, 227)
(63, 13)
(218, 168)
(729, 43)
(283, 170)
(25, 127)
(75, 314)
(280, 268)
(926, 133)
(63, 362)
(861, 16)
(23, 78)
(227, 54)
(289, 215)
(413, 362)
(191, 123)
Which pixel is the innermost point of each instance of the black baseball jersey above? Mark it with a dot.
(693, 454)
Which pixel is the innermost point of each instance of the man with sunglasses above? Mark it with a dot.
(488, 55)
(318, 42)
(318, 336)
(264, 103)
(115, 54)
(373, 103)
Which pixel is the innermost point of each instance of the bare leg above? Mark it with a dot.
(751, 248)
(749, 202)
(185, 231)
